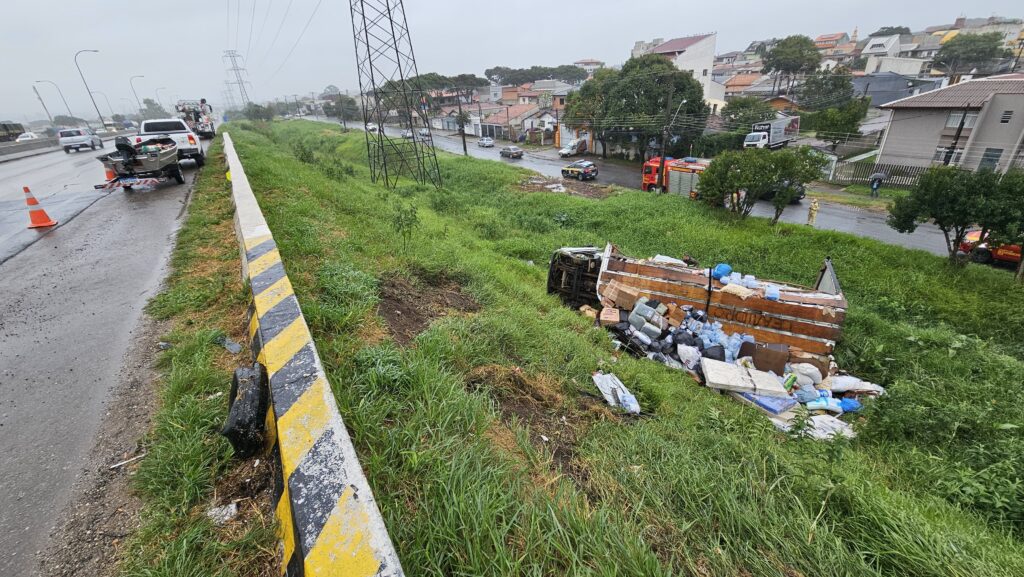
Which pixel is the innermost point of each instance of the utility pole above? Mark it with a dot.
(956, 137)
(662, 184)
(1016, 59)
(131, 82)
(71, 115)
(508, 117)
(462, 125)
(44, 106)
(87, 87)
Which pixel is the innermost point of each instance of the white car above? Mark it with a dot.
(406, 134)
(423, 132)
(78, 138)
(371, 127)
(485, 142)
(27, 137)
(187, 141)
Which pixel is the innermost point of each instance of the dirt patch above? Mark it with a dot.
(105, 511)
(250, 486)
(554, 422)
(573, 187)
(408, 308)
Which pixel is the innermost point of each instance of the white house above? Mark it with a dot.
(904, 66)
(589, 64)
(695, 54)
(882, 46)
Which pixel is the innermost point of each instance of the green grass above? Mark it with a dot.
(931, 486)
(185, 455)
(883, 192)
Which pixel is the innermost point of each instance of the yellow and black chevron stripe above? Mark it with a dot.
(329, 523)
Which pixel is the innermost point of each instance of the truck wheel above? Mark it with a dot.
(92, 145)
(67, 150)
(981, 255)
(101, 144)
(178, 175)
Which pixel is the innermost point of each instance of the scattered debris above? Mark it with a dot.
(231, 346)
(163, 345)
(823, 427)
(223, 514)
(765, 343)
(126, 461)
(558, 185)
(615, 393)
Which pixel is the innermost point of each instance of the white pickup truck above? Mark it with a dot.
(188, 143)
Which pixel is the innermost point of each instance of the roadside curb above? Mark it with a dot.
(329, 523)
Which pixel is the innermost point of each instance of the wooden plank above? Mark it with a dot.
(830, 327)
(788, 292)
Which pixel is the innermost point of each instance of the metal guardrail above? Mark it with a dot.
(328, 519)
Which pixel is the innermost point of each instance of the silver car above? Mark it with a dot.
(78, 138)
(485, 142)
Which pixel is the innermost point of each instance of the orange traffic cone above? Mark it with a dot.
(110, 175)
(36, 215)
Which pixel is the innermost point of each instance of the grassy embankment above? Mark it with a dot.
(188, 465)
(449, 426)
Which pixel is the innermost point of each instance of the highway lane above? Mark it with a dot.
(72, 299)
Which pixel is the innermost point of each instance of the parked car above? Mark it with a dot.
(371, 127)
(78, 138)
(485, 142)
(511, 152)
(801, 192)
(27, 137)
(187, 141)
(574, 146)
(580, 170)
(423, 132)
(406, 134)
(987, 253)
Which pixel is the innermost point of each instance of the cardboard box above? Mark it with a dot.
(770, 357)
(609, 316)
(623, 296)
(588, 311)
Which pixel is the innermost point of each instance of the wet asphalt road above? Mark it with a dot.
(72, 297)
(831, 216)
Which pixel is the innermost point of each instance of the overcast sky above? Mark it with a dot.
(178, 45)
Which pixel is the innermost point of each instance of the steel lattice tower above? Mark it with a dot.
(387, 83)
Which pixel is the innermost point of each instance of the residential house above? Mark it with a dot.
(507, 122)
(783, 104)
(921, 46)
(552, 93)
(829, 41)
(589, 64)
(737, 84)
(842, 54)
(493, 93)
(905, 66)
(761, 47)
(722, 72)
(449, 97)
(886, 87)
(542, 119)
(881, 46)
(528, 97)
(1010, 28)
(727, 58)
(980, 122)
(695, 54)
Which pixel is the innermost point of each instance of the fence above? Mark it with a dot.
(898, 175)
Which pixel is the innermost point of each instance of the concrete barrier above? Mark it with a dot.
(329, 521)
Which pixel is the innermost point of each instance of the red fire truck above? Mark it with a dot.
(681, 175)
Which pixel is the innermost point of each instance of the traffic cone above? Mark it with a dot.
(36, 215)
(110, 175)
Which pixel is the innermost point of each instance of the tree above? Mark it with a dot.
(254, 111)
(946, 195)
(515, 76)
(152, 109)
(1007, 226)
(347, 107)
(743, 111)
(791, 56)
(329, 92)
(793, 169)
(965, 52)
(825, 89)
(65, 120)
(889, 31)
(118, 118)
(837, 125)
(585, 108)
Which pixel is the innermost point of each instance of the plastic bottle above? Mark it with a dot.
(721, 269)
(771, 292)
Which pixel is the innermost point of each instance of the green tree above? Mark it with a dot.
(946, 195)
(792, 55)
(515, 76)
(889, 31)
(152, 109)
(743, 111)
(826, 88)
(635, 106)
(255, 111)
(65, 120)
(586, 107)
(838, 125)
(118, 118)
(965, 52)
(793, 169)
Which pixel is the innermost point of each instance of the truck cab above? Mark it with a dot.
(756, 140)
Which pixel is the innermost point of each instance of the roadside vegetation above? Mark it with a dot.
(188, 466)
(467, 392)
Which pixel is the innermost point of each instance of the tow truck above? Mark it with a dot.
(198, 121)
(986, 252)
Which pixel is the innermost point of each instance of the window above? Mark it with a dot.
(940, 155)
(953, 121)
(561, 101)
(164, 126)
(990, 160)
(705, 73)
(1005, 118)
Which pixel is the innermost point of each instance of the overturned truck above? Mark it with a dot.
(805, 319)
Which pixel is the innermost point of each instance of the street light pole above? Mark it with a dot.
(109, 107)
(131, 81)
(65, 100)
(87, 86)
(34, 89)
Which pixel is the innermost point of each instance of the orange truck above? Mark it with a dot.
(681, 175)
(987, 253)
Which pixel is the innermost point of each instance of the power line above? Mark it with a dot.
(280, 25)
(266, 16)
(252, 21)
(299, 39)
(238, 20)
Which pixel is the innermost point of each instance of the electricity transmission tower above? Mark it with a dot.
(388, 81)
(235, 71)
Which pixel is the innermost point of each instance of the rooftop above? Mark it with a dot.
(830, 37)
(970, 94)
(677, 45)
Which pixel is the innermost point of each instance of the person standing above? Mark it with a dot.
(876, 183)
(812, 212)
